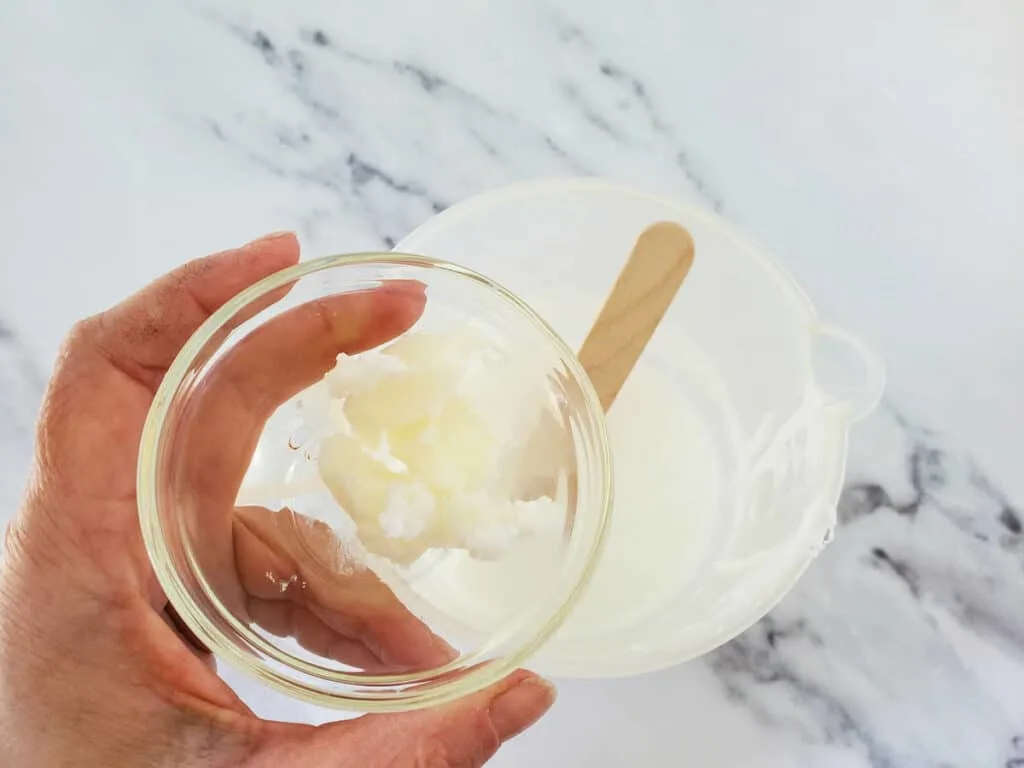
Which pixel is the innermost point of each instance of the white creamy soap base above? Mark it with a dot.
(667, 519)
(431, 445)
(666, 478)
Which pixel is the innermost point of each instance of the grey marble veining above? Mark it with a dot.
(889, 643)
(337, 139)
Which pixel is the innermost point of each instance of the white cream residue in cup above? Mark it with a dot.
(667, 486)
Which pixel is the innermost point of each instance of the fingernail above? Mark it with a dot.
(269, 238)
(518, 708)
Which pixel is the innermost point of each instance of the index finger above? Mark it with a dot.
(229, 407)
(272, 364)
(142, 335)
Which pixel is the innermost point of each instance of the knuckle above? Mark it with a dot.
(77, 346)
(80, 343)
(80, 336)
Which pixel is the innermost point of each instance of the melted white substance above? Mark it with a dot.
(430, 433)
(666, 484)
(664, 527)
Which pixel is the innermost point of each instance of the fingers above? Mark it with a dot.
(467, 732)
(92, 415)
(463, 734)
(300, 583)
(271, 364)
(142, 335)
(518, 707)
(295, 349)
(275, 362)
(287, 619)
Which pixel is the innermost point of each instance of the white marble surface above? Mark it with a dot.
(874, 147)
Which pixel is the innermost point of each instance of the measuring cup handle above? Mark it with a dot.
(849, 373)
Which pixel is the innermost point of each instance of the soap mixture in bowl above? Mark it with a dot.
(430, 445)
(440, 441)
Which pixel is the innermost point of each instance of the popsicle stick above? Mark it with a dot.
(642, 294)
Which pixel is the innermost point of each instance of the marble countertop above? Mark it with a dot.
(874, 147)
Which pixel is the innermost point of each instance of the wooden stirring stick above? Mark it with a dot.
(642, 293)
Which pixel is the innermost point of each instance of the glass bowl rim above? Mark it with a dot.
(472, 678)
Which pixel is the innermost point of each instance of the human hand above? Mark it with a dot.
(92, 669)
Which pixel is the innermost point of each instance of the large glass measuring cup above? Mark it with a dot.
(729, 439)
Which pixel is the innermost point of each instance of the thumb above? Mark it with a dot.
(463, 734)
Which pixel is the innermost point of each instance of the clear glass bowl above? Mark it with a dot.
(254, 552)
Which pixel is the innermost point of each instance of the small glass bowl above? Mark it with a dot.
(254, 553)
